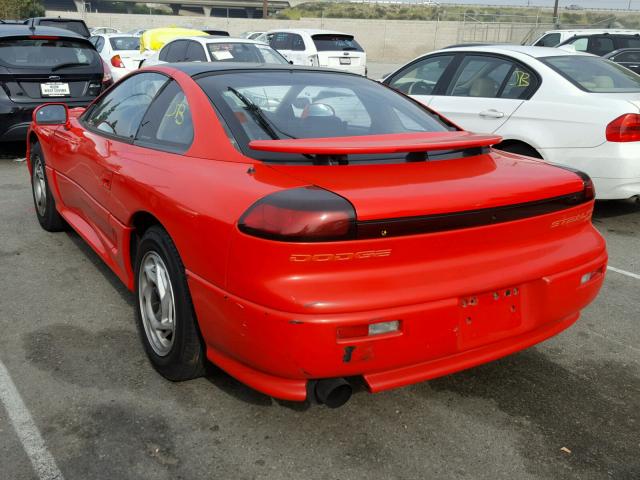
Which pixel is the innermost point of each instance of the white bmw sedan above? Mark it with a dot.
(573, 109)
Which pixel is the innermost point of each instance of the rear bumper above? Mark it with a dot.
(16, 117)
(277, 352)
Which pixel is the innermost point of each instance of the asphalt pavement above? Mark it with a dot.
(566, 409)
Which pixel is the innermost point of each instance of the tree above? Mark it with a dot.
(16, 9)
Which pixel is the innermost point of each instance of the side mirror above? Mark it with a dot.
(51, 114)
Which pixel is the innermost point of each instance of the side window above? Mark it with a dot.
(628, 57)
(281, 41)
(164, 53)
(628, 42)
(600, 45)
(120, 112)
(549, 40)
(479, 76)
(168, 124)
(297, 42)
(195, 53)
(580, 44)
(178, 51)
(422, 77)
(520, 83)
(99, 43)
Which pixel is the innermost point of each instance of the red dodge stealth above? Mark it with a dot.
(302, 229)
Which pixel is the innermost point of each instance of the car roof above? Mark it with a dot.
(198, 68)
(11, 30)
(593, 31)
(621, 50)
(535, 52)
(310, 31)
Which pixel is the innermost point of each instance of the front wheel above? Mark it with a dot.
(165, 315)
(45, 204)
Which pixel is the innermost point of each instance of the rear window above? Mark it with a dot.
(125, 43)
(311, 105)
(38, 53)
(332, 42)
(594, 74)
(244, 53)
(76, 26)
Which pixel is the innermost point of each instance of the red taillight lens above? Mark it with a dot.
(306, 214)
(589, 189)
(625, 128)
(116, 61)
(107, 78)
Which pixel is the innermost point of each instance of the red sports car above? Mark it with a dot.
(300, 227)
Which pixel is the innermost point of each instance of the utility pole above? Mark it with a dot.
(265, 9)
(555, 13)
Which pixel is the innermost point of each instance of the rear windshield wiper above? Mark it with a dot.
(70, 64)
(259, 115)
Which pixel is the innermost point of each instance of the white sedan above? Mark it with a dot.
(215, 49)
(120, 51)
(572, 109)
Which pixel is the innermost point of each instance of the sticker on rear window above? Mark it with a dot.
(522, 78)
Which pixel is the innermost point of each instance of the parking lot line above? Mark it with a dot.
(32, 442)
(624, 272)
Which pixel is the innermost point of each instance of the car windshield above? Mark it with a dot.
(125, 43)
(42, 52)
(301, 104)
(76, 26)
(594, 74)
(334, 42)
(244, 52)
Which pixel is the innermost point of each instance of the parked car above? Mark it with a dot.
(217, 33)
(72, 24)
(320, 48)
(154, 39)
(137, 32)
(601, 44)
(215, 49)
(553, 38)
(121, 52)
(627, 57)
(373, 239)
(44, 64)
(572, 109)
(102, 30)
(251, 35)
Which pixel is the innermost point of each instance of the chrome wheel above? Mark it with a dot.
(157, 305)
(39, 186)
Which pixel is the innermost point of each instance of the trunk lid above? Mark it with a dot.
(484, 179)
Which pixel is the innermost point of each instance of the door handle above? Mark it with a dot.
(491, 113)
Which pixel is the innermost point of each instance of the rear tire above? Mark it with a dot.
(164, 311)
(43, 200)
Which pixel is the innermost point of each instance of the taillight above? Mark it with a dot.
(107, 78)
(306, 214)
(116, 61)
(625, 128)
(589, 190)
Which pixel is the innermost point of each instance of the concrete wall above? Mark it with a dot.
(390, 41)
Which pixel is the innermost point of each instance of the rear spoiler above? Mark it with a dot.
(371, 144)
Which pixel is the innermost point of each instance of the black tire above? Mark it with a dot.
(519, 149)
(43, 200)
(185, 358)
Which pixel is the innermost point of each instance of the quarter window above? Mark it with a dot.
(120, 111)
(549, 40)
(168, 124)
(178, 51)
(422, 77)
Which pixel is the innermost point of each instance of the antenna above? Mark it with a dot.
(32, 26)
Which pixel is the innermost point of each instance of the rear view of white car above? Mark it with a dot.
(120, 51)
(319, 48)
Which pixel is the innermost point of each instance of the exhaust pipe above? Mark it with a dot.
(333, 392)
